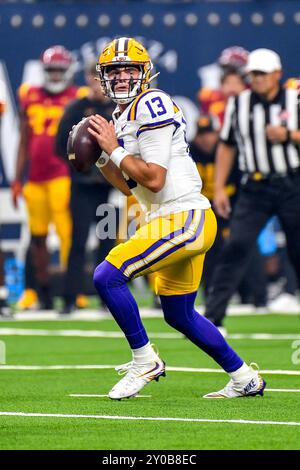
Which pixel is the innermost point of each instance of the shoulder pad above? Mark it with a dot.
(82, 92)
(23, 91)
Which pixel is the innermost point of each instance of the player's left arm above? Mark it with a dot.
(281, 133)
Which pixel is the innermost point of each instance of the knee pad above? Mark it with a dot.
(108, 276)
(178, 309)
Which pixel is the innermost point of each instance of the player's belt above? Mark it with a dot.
(257, 176)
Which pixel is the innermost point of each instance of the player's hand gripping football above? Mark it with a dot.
(104, 133)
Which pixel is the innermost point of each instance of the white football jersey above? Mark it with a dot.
(154, 109)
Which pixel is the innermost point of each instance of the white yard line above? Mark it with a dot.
(88, 395)
(154, 335)
(148, 418)
(106, 366)
(284, 390)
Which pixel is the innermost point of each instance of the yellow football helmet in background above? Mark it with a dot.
(124, 52)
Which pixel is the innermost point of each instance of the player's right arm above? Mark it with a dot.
(115, 177)
(22, 157)
(225, 156)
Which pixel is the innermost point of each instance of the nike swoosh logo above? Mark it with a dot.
(152, 370)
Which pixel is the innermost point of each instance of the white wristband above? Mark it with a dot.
(102, 160)
(118, 155)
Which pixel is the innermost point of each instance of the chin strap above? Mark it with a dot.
(153, 77)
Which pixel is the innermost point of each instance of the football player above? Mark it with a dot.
(47, 190)
(5, 310)
(232, 62)
(145, 153)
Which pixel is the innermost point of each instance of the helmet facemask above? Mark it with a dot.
(57, 86)
(136, 85)
(58, 67)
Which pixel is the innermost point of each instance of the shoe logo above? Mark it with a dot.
(250, 386)
(152, 370)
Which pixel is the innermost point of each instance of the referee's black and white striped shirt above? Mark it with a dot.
(246, 118)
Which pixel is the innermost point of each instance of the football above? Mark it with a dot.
(83, 149)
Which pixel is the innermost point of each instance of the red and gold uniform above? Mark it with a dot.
(212, 102)
(43, 112)
(47, 192)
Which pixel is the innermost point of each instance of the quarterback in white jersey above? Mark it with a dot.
(145, 153)
(167, 148)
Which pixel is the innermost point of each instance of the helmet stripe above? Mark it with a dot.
(121, 47)
(126, 46)
(117, 47)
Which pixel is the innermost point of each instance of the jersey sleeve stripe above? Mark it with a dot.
(156, 125)
(176, 109)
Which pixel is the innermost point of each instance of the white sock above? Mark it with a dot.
(242, 374)
(144, 354)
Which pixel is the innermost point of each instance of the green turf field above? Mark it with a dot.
(179, 417)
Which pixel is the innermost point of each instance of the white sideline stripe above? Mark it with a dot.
(263, 336)
(284, 390)
(119, 334)
(79, 333)
(105, 366)
(148, 418)
(88, 395)
(92, 315)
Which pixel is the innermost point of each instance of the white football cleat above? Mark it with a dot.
(254, 386)
(137, 376)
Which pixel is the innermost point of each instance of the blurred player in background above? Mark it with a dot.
(229, 79)
(5, 310)
(47, 190)
(88, 190)
(145, 153)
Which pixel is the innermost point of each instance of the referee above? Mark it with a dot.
(263, 122)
